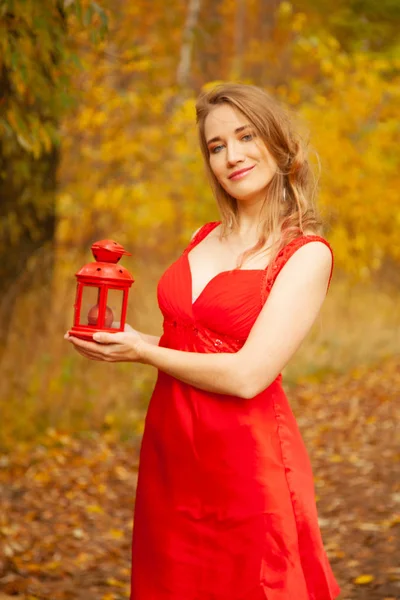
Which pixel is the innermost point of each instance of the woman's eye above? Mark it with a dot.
(216, 149)
(248, 137)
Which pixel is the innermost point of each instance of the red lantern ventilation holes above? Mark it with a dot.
(102, 292)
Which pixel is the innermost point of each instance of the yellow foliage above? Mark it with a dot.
(131, 167)
(138, 164)
(363, 579)
(94, 509)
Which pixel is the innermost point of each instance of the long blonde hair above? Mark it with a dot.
(289, 209)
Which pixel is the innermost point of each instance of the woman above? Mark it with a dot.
(225, 505)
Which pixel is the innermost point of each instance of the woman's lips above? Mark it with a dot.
(240, 174)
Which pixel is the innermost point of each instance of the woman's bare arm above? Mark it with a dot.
(154, 340)
(284, 321)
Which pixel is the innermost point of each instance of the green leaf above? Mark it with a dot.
(102, 15)
(87, 17)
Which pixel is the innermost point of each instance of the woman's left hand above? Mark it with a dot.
(122, 346)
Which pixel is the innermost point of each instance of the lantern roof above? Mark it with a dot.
(105, 271)
(108, 251)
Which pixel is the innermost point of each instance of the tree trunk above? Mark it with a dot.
(185, 60)
(266, 72)
(27, 222)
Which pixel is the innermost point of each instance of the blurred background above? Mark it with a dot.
(98, 140)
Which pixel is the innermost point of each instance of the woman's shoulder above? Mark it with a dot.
(309, 235)
(312, 236)
(305, 239)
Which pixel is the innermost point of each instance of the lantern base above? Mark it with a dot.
(86, 333)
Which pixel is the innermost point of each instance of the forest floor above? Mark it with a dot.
(66, 504)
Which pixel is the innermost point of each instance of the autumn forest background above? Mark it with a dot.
(98, 140)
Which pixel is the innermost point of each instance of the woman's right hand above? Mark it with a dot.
(127, 327)
(150, 339)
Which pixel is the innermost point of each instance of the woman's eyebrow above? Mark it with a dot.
(237, 130)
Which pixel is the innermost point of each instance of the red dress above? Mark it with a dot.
(225, 504)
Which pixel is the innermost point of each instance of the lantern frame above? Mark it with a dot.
(103, 275)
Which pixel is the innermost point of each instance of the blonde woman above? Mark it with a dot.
(225, 505)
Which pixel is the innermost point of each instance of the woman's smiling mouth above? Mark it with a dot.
(239, 174)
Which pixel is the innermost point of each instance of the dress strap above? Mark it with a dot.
(201, 234)
(283, 256)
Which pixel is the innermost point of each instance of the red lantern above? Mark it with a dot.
(102, 292)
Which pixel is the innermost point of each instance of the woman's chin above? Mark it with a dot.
(249, 195)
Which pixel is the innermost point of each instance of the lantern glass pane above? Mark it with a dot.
(89, 307)
(114, 308)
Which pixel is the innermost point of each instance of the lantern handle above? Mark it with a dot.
(108, 251)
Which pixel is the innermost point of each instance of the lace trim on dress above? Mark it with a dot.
(216, 342)
(283, 256)
(267, 281)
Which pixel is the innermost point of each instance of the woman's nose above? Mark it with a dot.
(234, 153)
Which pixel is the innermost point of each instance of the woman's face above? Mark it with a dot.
(238, 158)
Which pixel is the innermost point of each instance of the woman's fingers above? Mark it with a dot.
(89, 349)
(104, 355)
(89, 355)
(117, 325)
(109, 347)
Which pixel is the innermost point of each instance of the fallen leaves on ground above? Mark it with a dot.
(66, 504)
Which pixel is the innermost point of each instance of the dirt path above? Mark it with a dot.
(66, 504)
